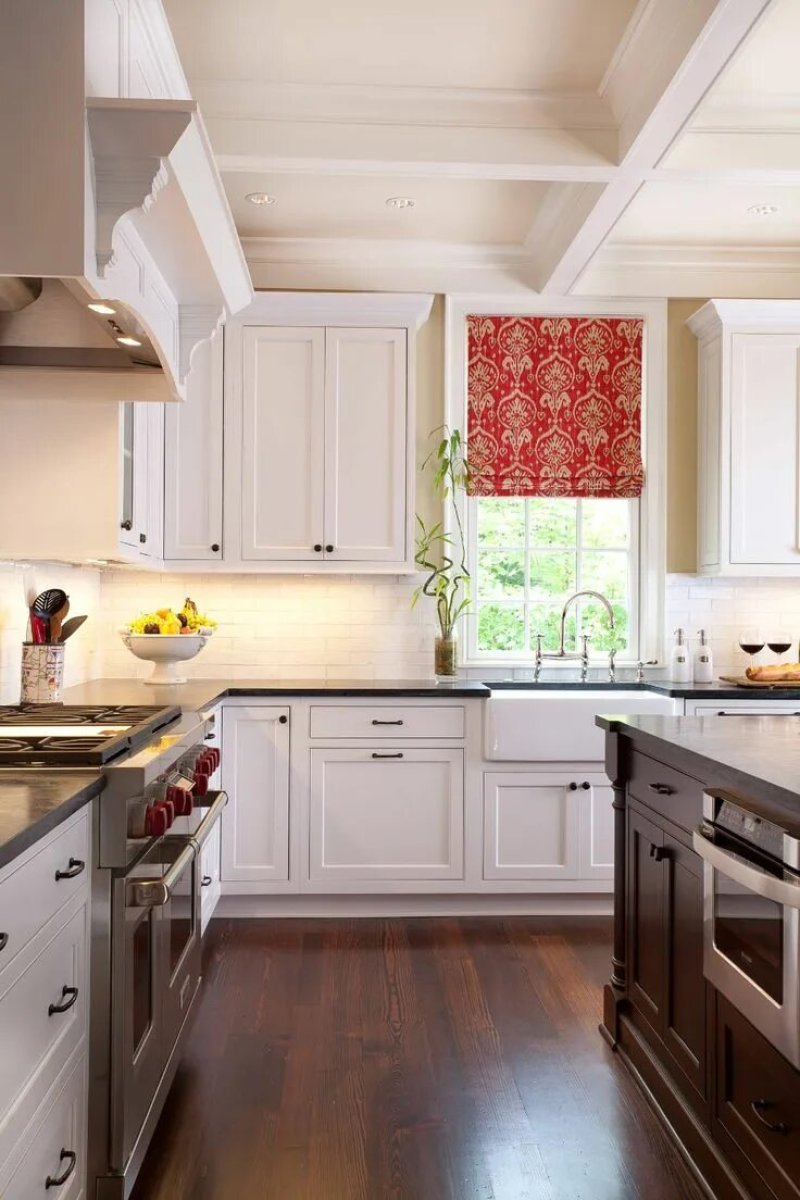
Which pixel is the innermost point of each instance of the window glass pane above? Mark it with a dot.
(552, 574)
(501, 574)
(606, 523)
(546, 619)
(501, 522)
(606, 573)
(501, 628)
(553, 522)
(594, 621)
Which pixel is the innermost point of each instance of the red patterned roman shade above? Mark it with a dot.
(554, 406)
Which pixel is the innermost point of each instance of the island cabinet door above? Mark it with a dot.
(684, 1011)
(645, 917)
(255, 774)
(386, 814)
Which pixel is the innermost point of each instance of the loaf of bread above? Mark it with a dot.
(776, 673)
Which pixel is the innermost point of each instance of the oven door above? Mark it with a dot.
(751, 940)
(156, 974)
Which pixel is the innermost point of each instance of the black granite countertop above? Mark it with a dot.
(683, 691)
(200, 693)
(34, 802)
(756, 756)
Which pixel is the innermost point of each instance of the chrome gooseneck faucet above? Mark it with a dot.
(583, 655)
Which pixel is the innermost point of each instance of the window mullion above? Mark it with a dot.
(526, 589)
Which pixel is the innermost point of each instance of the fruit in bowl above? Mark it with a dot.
(166, 638)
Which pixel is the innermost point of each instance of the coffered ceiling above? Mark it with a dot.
(560, 145)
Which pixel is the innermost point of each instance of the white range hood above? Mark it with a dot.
(117, 200)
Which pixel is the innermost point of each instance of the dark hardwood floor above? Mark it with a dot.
(447, 1059)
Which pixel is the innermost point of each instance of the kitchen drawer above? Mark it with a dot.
(676, 796)
(395, 721)
(755, 1088)
(57, 1133)
(30, 894)
(35, 1042)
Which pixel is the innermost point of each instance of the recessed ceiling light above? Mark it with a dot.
(261, 198)
(400, 202)
(105, 309)
(124, 340)
(763, 210)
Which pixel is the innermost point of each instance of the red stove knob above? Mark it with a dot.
(155, 821)
(169, 809)
(203, 764)
(201, 785)
(181, 800)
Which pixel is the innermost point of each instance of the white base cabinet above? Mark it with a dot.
(382, 815)
(255, 774)
(547, 825)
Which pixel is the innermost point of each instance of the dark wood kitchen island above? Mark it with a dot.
(731, 1099)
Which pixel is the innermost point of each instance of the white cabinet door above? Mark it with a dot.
(193, 462)
(531, 825)
(255, 774)
(366, 428)
(152, 479)
(386, 814)
(596, 825)
(141, 479)
(765, 481)
(282, 443)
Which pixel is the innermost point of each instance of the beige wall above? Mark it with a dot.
(681, 437)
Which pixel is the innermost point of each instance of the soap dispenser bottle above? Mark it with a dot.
(681, 665)
(703, 664)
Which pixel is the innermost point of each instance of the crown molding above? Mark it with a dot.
(337, 308)
(747, 112)
(379, 252)
(684, 269)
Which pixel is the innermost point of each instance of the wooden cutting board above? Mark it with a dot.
(743, 682)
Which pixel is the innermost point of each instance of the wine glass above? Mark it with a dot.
(751, 641)
(779, 641)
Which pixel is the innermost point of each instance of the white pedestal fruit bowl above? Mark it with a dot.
(165, 651)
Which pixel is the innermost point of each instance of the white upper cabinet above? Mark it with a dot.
(319, 432)
(366, 454)
(193, 463)
(748, 437)
(282, 443)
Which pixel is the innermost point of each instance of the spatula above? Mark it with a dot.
(71, 626)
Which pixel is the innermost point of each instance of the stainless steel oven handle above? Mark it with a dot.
(755, 879)
(154, 893)
(208, 822)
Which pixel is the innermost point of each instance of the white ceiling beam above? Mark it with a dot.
(466, 152)
(667, 60)
(679, 269)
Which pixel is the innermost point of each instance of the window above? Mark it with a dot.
(527, 556)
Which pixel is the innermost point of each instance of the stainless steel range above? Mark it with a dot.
(149, 824)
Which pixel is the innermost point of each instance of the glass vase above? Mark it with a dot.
(445, 657)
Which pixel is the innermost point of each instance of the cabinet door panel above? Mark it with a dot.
(684, 1029)
(387, 814)
(366, 425)
(530, 826)
(765, 390)
(645, 912)
(255, 774)
(193, 461)
(283, 417)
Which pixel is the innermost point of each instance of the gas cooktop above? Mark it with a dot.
(84, 735)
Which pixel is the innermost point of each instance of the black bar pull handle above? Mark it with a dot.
(69, 996)
(206, 881)
(76, 865)
(758, 1108)
(71, 1158)
(663, 789)
(659, 853)
(3, 940)
(398, 755)
(375, 722)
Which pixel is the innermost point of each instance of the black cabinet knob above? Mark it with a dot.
(126, 525)
(586, 785)
(283, 719)
(329, 549)
(3, 940)
(215, 547)
(206, 881)
(318, 547)
(143, 538)
(573, 787)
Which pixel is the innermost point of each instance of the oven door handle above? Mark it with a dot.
(208, 822)
(154, 893)
(737, 868)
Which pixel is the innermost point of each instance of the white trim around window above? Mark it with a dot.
(649, 617)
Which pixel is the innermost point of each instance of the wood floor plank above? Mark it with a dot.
(439, 1059)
